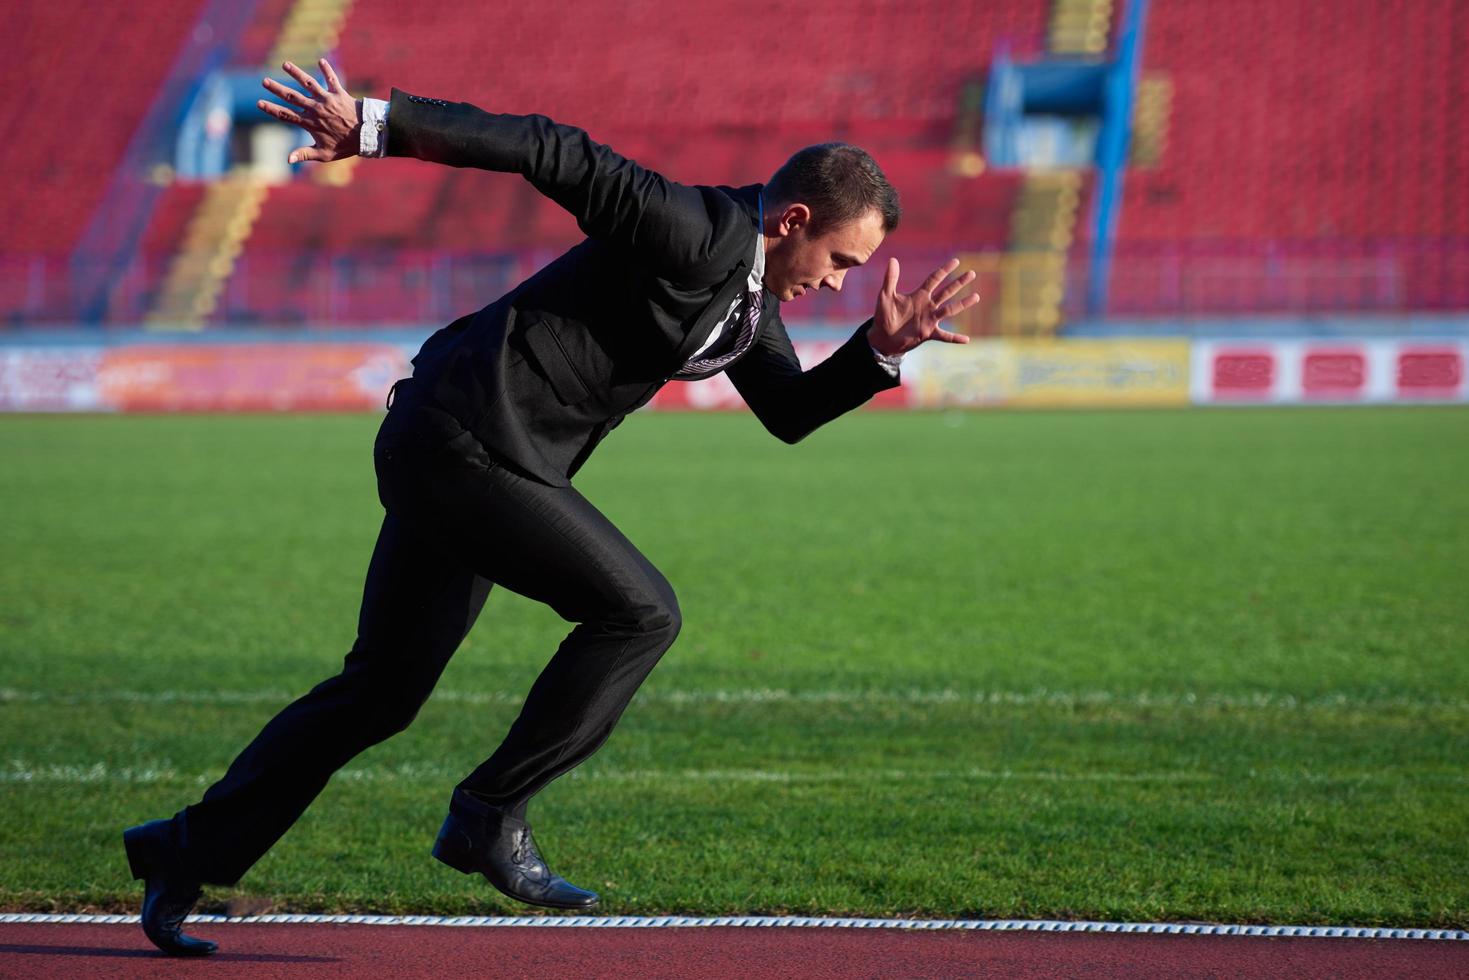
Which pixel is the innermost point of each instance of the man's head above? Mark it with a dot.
(826, 210)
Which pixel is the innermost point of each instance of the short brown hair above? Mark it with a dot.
(839, 182)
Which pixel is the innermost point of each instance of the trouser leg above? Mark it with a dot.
(456, 523)
(418, 604)
(565, 552)
(552, 545)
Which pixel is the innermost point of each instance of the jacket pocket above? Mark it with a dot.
(556, 363)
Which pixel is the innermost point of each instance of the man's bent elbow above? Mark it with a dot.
(786, 419)
(788, 434)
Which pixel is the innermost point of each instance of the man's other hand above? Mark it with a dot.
(332, 117)
(905, 320)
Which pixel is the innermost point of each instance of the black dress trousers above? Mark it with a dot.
(457, 522)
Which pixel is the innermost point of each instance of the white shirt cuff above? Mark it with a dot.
(374, 128)
(888, 362)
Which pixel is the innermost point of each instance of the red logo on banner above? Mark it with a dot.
(1430, 372)
(1244, 374)
(1333, 374)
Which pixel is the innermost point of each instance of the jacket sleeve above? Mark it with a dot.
(792, 403)
(678, 228)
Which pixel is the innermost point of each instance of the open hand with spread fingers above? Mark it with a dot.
(329, 114)
(905, 320)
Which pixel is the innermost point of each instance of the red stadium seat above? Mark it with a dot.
(661, 85)
(70, 60)
(1294, 131)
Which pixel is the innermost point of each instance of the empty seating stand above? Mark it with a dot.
(1313, 157)
(665, 84)
(81, 75)
(1314, 160)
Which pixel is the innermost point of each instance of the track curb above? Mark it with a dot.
(769, 922)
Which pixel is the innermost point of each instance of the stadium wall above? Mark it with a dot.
(236, 372)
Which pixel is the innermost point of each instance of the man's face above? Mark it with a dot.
(798, 262)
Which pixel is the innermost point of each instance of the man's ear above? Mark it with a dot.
(794, 216)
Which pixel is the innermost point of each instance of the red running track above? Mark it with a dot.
(316, 952)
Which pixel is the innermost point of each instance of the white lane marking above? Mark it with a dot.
(1262, 700)
(766, 922)
(20, 771)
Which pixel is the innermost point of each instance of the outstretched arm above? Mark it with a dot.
(680, 229)
(792, 403)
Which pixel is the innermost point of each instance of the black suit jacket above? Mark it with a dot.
(542, 374)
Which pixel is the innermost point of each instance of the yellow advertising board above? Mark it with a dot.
(1053, 373)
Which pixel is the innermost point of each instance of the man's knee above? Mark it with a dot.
(386, 700)
(653, 612)
(666, 618)
(396, 715)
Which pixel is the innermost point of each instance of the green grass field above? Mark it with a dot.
(1193, 665)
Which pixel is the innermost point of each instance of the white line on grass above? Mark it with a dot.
(98, 772)
(19, 771)
(1261, 700)
(763, 921)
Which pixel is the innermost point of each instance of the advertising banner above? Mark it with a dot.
(200, 377)
(1328, 371)
(1051, 373)
(50, 379)
(1055, 373)
(249, 377)
(315, 375)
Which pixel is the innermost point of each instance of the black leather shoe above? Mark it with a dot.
(169, 892)
(478, 837)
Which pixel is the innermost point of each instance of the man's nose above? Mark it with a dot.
(834, 281)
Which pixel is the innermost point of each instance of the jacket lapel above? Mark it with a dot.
(748, 199)
(714, 311)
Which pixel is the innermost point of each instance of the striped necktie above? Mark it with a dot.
(707, 366)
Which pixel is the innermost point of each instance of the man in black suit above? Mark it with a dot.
(475, 459)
